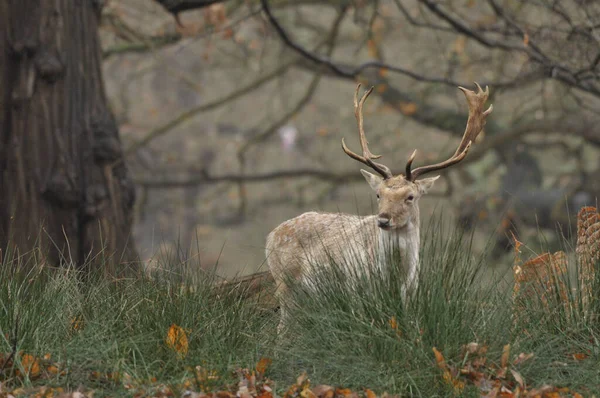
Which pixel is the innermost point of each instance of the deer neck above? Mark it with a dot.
(405, 240)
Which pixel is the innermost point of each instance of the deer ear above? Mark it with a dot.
(425, 184)
(373, 180)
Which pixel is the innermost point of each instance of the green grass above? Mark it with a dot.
(356, 335)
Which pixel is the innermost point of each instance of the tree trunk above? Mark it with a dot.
(64, 186)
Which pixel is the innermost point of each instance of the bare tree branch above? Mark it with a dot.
(345, 71)
(205, 178)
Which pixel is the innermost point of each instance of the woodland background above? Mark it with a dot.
(230, 118)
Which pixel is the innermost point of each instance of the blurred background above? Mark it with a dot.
(231, 114)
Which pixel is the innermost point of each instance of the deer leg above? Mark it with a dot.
(280, 294)
(410, 286)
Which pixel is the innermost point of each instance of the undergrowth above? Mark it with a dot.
(355, 332)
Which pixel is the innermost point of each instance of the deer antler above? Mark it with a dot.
(367, 157)
(475, 123)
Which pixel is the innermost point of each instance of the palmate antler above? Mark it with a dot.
(475, 124)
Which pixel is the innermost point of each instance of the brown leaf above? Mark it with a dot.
(505, 355)
(370, 393)
(579, 356)
(31, 365)
(263, 364)
(307, 393)
(471, 348)
(522, 357)
(518, 377)
(323, 391)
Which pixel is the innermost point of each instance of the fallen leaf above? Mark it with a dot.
(472, 348)
(31, 365)
(324, 391)
(518, 377)
(177, 340)
(439, 358)
(522, 357)
(505, 355)
(263, 364)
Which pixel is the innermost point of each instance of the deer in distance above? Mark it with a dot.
(297, 245)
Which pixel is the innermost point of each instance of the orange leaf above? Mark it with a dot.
(177, 340)
(370, 393)
(439, 358)
(525, 39)
(263, 364)
(344, 392)
(579, 356)
(307, 392)
(31, 365)
(77, 323)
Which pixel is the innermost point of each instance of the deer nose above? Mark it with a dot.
(383, 222)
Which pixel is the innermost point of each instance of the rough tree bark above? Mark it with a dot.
(64, 186)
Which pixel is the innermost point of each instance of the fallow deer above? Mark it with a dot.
(297, 245)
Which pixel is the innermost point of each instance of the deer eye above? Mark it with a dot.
(377, 196)
(410, 198)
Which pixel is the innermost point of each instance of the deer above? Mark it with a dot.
(295, 246)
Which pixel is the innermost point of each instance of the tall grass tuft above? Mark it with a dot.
(97, 325)
(359, 330)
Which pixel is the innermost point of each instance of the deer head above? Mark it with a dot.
(398, 195)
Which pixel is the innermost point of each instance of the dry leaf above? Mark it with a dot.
(370, 393)
(439, 358)
(522, 357)
(505, 355)
(518, 377)
(579, 356)
(177, 340)
(263, 364)
(31, 365)
(393, 323)
(324, 391)
(472, 347)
